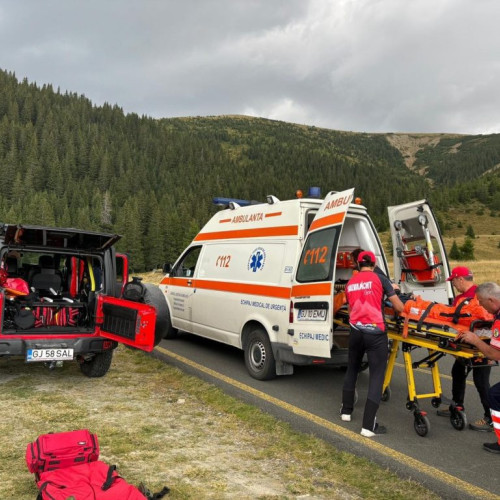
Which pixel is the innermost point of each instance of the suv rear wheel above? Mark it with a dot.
(98, 365)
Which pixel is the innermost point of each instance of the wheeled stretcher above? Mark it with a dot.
(437, 337)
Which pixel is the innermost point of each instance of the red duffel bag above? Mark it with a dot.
(59, 450)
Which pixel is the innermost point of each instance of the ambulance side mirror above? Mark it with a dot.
(167, 267)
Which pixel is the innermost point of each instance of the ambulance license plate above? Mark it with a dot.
(311, 315)
(49, 355)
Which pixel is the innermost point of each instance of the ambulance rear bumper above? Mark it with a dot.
(284, 353)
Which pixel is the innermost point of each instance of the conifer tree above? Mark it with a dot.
(467, 250)
(153, 253)
(470, 232)
(455, 252)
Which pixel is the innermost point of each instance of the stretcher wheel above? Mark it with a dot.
(421, 424)
(458, 419)
(436, 402)
(386, 395)
(410, 405)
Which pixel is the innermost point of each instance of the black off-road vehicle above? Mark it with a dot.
(64, 296)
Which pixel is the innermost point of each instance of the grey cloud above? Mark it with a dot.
(364, 65)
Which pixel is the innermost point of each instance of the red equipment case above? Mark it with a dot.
(61, 449)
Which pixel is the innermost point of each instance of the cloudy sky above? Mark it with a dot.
(360, 65)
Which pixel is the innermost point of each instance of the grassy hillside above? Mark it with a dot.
(66, 162)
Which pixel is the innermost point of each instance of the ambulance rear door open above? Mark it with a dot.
(420, 261)
(311, 327)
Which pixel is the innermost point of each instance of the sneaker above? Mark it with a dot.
(483, 424)
(492, 447)
(379, 429)
(345, 417)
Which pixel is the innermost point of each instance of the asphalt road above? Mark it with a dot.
(450, 462)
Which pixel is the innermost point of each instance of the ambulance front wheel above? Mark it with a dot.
(170, 332)
(259, 357)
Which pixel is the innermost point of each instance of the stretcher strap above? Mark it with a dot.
(405, 327)
(455, 316)
(424, 315)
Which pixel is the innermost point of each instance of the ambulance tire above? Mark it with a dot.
(98, 365)
(259, 357)
(170, 331)
(153, 296)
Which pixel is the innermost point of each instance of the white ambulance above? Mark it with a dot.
(263, 277)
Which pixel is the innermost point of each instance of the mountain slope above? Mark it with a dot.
(66, 162)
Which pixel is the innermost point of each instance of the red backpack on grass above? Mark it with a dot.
(66, 465)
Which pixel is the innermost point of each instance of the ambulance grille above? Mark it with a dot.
(119, 320)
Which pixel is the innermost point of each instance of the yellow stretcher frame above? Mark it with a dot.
(438, 340)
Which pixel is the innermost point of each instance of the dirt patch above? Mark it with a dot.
(410, 145)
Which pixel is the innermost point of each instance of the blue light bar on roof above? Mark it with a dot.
(224, 202)
(314, 192)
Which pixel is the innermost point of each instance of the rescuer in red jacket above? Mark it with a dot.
(462, 279)
(488, 295)
(365, 294)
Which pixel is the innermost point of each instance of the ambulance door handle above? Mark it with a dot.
(189, 282)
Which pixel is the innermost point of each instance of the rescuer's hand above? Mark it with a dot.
(466, 336)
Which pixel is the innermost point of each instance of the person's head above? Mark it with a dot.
(366, 259)
(461, 278)
(488, 295)
(355, 254)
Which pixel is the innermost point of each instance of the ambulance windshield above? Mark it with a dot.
(316, 261)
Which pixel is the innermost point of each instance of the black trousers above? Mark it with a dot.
(375, 345)
(481, 376)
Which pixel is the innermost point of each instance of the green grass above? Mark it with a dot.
(163, 427)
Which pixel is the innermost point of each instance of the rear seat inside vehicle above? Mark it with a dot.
(45, 276)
